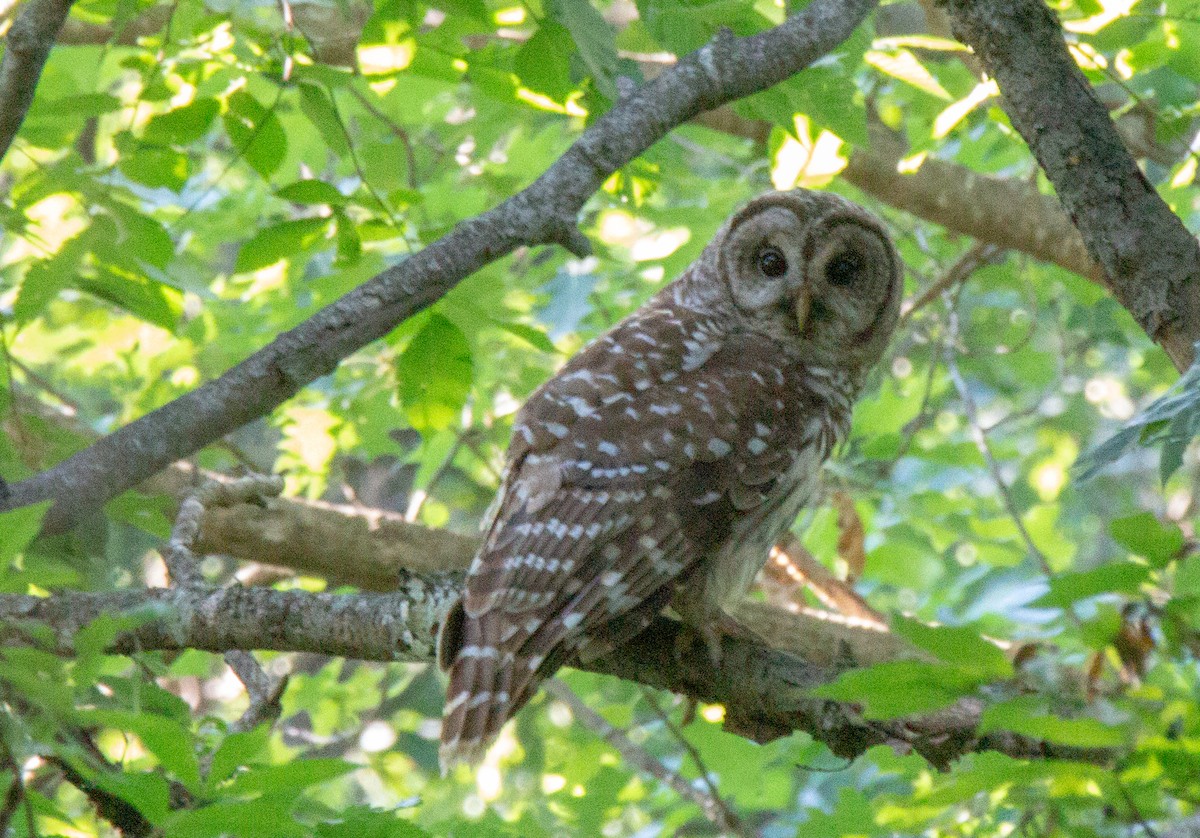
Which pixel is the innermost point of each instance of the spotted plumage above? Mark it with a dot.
(662, 462)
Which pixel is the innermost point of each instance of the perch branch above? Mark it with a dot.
(764, 690)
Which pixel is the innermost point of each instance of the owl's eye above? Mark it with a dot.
(845, 268)
(772, 262)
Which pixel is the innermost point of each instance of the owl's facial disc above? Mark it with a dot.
(852, 277)
(764, 261)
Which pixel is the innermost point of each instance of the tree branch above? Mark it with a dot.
(1152, 262)
(728, 68)
(27, 46)
(764, 690)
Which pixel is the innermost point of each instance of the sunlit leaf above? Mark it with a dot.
(905, 66)
(183, 125)
(1026, 715)
(435, 373)
(282, 240)
(1144, 535)
(255, 132)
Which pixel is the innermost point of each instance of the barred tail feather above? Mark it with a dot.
(478, 698)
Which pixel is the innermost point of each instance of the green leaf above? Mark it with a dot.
(256, 133)
(168, 740)
(156, 167)
(183, 125)
(435, 373)
(284, 240)
(1144, 535)
(594, 39)
(146, 791)
(237, 749)
(20, 526)
(142, 238)
(288, 777)
(47, 277)
(852, 815)
(98, 635)
(318, 107)
(900, 688)
(311, 192)
(543, 63)
(141, 296)
(263, 817)
(40, 676)
(1026, 715)
(1069, 588)
(1172, 420)
(364, 822)
(1187, 576)
(349, 245)
(958, 645)
(534, 337)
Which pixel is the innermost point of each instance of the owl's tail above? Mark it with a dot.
(481, 695)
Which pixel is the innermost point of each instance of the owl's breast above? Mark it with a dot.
(734, 565)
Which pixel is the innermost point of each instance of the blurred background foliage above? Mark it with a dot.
(195, 178)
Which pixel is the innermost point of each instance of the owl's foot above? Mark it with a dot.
(711, 635)
(687, 640)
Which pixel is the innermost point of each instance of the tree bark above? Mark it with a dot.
(1151, 260)
(764, 690)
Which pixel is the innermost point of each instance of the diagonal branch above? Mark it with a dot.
(26, 48)
(728, 68)
(710, 803)
(1152, 262)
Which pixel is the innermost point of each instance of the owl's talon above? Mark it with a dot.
(712, 642)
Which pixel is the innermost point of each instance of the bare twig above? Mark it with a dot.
(979, 437)
(790, 561)
(264, 691)
(978, 255)
(729, 819)
(397, 131)
(712, 806)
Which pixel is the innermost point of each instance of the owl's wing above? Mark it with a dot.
(626, 470)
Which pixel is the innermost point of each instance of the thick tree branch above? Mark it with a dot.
(764, 690)
(728, 68)
(1152, 262)
(1000, 211)
(26, 48)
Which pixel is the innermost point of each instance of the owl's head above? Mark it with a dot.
(813, 271)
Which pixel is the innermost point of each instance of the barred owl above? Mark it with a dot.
(660, 465)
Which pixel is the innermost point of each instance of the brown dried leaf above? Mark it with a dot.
(1134, 643)
(851, 536)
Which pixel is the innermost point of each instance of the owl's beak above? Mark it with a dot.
(802, 306)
